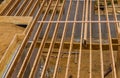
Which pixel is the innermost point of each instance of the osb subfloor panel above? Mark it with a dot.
(7, 33)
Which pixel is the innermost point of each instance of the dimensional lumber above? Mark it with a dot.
(8, 36)
(9, 52)
(7, 33)
(8, 29)
(118, 54)
(15, 20)
(78, 41)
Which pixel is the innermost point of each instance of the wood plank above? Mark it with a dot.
(7, 33)
(76, 45)
(8, 29)
(14, 36)
(118, 55)
(15, 19)
(9, 53)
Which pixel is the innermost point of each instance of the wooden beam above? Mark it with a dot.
(15, 43)
(15, 19)
(9, 53)
(76, 45)
(118, 54)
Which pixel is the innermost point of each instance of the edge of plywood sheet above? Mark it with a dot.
(9, 52)
(16, 19)
(15, 43)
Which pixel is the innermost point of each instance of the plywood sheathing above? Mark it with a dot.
(6, 58)
(7, 32)
(15, 19)
(10, 36)
(8, 29)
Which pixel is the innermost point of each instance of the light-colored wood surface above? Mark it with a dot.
(10, 37)
(7, 32)
(15, 42)
(15, 19)
(8, 29)
(85, 61)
